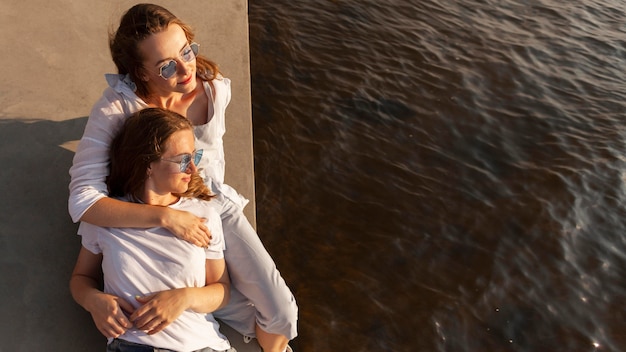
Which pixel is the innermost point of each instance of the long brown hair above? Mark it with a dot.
(137, 24)
(141, 141)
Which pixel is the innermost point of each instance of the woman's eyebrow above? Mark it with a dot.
(171, 58)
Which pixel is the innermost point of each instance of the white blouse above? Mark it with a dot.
(90, 166)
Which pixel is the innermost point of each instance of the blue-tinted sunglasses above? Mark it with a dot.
(186, 160)
(188, 53)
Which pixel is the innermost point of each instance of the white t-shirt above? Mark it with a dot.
(144, 261)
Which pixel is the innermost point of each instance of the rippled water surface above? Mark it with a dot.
(444, 175)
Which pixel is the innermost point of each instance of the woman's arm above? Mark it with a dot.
(107, 311)
(89, 199)
(109, 212)
(161, 309)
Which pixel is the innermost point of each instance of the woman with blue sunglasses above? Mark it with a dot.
(159, 290)
(159, 66)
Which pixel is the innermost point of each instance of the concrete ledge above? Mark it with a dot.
(53, 65)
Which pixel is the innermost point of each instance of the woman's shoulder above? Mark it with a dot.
(117, 101)
(114, 96)
(220, 92)
(122, 84)
(219, 82)
(195, 203)
(202, 208)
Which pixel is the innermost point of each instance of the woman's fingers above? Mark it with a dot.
(205, 235)
(158, 327)
(108, 315)
(159, 310)
(189, 227)
(200, 235)
(151, 323)
(126, 309)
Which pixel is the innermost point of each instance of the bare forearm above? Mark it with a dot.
(82, 289)
(209, 298)
(109, 212)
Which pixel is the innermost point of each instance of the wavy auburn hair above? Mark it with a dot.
(137, 24)
(141, 141)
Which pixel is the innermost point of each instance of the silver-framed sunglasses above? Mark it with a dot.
(189, 52)
(186, 160)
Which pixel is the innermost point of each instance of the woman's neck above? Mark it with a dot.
(174, 102)
(193, 105)
(152, 198)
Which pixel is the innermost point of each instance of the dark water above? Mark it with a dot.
(445, 175)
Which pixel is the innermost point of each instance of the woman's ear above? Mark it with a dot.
(142, 74)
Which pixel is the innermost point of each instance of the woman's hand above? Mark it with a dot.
(188, 227)
(109, 314)
(159, 310)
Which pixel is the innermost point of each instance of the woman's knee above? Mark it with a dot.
(284, 321)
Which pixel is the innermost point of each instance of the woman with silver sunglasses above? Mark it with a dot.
(158, 66)
(159, 290)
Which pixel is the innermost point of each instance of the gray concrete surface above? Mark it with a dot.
(54, 56)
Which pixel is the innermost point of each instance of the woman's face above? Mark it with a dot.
(165, 175)
(159, 50)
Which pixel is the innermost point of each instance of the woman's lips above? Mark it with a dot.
(187, 80)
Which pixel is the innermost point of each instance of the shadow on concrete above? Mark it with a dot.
(38, 241)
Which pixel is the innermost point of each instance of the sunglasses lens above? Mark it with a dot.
(195, 47)
(184, 163)
(189, 53)
(197, 157)
(168, 69)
